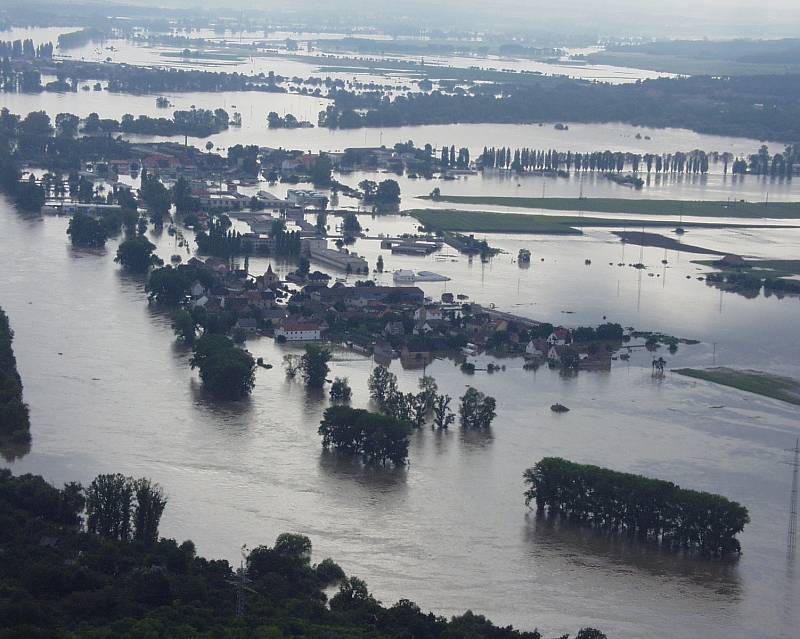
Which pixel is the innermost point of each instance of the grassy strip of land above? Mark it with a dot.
(783, 388)
(494, 222)
(778, 210)
(771, 268)
(685, 65)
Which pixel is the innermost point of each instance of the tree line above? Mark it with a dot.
(760, 106)
(15, 425)
(198, 123)
(649, 509)
(17, 49)
(60, 579)
(526, 159)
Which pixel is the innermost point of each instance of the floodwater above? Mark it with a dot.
(285, 63)
(110, 390)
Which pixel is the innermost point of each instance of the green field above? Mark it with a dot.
(783, 388)
(493, 222)
(776, 210)
(685, 65)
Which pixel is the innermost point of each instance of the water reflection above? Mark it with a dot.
(387, 480)
(548, 533)
(476, 440)
(236, 414)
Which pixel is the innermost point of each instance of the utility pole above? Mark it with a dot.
(795, 464)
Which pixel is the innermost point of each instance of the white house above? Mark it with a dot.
(559, 337)
(428, 314)
(533, 351)
(296, 331)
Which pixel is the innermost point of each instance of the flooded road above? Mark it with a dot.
(110, 390)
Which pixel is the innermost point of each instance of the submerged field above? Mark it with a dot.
(778, 210)
(783, 388)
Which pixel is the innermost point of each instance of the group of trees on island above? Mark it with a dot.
(61, 579)
(649, 509)
(14, 417)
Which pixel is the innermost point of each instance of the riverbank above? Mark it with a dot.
(785, 389)
(696, 208)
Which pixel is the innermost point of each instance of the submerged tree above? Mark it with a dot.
(136, 255)
(382, 384)
(227, 372)
(442, 415)
(641, 506)
(477, 410)
(340, 390)
(84, 230)
(314, 365)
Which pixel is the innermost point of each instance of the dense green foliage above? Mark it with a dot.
(374, 437)
(124, 508)
(84, 230)
(647, 508)
(227, 372)
(58, 581)
(14, 420)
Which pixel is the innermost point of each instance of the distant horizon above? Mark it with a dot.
(713, 19)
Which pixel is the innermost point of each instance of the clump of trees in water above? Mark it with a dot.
(227, 372)
(84, 230)
(136, 255)
(650, 509)
(60, 579)
(476, 410)
(374, 437)
(15, 422)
